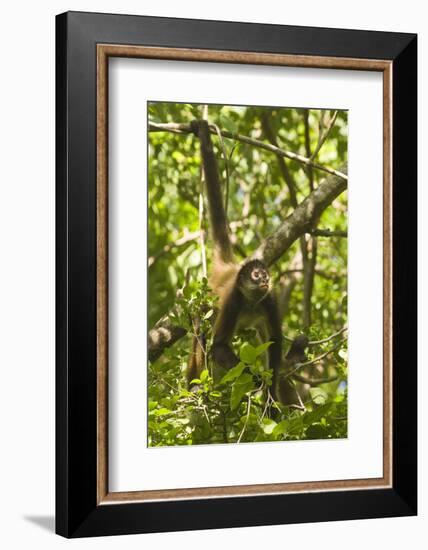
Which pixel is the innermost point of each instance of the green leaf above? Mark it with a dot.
(208, 314)
(204, 375)
(262, 348)
(161, 412)
(268, 425)
(316, 414)
(281, 428)
(296, 425)
(316, 431)
(247, 353)
(195, 381)
(228, 124)
(187, 292)
(319, 396)
(181, 421)
(240, 387)
(233, 373)
(343, 354)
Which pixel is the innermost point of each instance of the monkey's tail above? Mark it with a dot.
(196, 362)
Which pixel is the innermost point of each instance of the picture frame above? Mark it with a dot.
(84, 44)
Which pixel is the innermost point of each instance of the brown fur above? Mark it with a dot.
(286, 388)
(197, 357)
(243, 300)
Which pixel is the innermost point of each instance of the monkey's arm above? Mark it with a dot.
(224, 330)
(219, 227)
(275, 335)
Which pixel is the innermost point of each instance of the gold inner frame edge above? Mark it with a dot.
(104, 51)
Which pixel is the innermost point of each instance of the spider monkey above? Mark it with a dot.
(244, 291)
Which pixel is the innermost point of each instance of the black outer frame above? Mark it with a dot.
(77, 513)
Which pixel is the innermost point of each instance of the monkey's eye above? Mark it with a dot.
(255, 275)
(264, 278)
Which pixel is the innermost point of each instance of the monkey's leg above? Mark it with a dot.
(196, 362)
(275, 336)
(262, 338)
(223, 355)
(287, 392)
(224, 329)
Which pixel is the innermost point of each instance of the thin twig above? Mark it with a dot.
(265, 408)
(246, 419)
(272, 400)
(315, 360)
(318, 342)
(163, 381)
(314, 381)
(302, 405)
(324, 135)
(204, 408)
(185, 239)
(325, 340)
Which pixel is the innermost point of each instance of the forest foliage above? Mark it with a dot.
(310, 278)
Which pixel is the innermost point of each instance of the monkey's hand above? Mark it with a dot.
(223, 355)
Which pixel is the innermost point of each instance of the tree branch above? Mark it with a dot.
(319, 342)
(325, 340)
(183, 128)
(163, 335)
(310, 257)
(324, 135)
(314, 381)
(286, 174)
(328, 233)
(301, 220)
(315, 360)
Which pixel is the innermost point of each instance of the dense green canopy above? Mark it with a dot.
(261, 190)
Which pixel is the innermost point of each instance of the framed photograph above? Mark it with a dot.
(236, 274)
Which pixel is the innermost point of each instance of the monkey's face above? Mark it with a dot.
(254, 280)
(260, 278)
